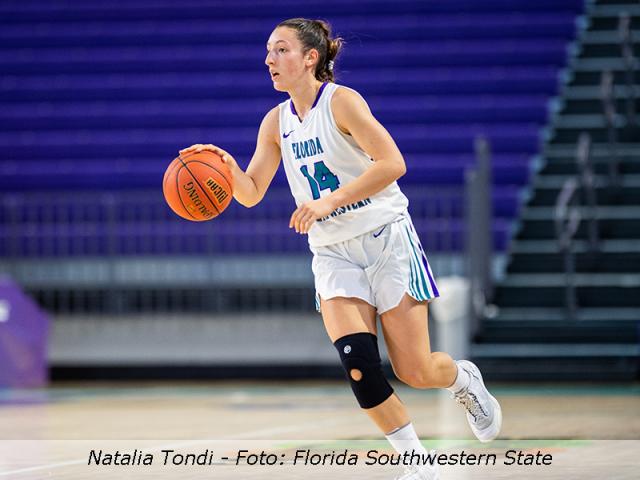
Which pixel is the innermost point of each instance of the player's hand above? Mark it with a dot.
(306, 214)
(226, 157)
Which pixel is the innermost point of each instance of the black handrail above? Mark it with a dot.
(567, 221)
(587, 183)
(609, 110)
(626, 45)
(479, 238)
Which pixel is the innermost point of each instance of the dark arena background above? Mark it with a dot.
(124, 327)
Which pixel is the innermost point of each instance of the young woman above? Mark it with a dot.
(342, 166)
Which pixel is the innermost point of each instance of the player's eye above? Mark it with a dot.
(281, 50)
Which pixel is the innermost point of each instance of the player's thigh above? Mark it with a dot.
(346, 315)
(406, 334)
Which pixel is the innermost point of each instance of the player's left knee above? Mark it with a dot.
(425, 374)
(415, 378)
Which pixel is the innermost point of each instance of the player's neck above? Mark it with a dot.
(304, 96)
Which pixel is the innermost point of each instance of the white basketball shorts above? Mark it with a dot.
(377, 267)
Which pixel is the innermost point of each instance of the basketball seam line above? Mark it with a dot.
(178, 190)
(214, 168)
(197, 183)
(180, 197)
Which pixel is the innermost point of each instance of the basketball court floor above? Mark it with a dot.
(306, 429)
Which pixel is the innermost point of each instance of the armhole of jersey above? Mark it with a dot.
(279, 137)
(280, 106)
(282, 111)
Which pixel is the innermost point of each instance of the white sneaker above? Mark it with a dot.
(483, 410)
(424, 472)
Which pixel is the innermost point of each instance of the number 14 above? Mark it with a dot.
(321, 180)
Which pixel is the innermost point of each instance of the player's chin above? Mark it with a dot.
(278, 85)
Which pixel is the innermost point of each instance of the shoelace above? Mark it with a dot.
(470, 402)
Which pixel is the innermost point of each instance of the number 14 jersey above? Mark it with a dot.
(318, 159)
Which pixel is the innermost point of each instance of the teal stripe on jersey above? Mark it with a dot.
(422, 284)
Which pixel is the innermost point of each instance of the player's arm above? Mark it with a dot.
(249, 187)
(353, 117)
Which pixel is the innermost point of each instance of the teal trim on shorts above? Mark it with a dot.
(424, 293)
(431, 284)
(412, 282)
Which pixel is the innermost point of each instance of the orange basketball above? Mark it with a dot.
(198, 186)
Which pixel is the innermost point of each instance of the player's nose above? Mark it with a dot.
(268, 59)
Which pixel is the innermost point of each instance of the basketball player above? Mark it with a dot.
(342, 166)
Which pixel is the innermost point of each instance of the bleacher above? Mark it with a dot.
(98, 98)
(597, 334)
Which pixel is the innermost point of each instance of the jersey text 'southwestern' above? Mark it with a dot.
(318, 159)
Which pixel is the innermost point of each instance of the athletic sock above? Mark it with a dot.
(461, 382)
(405, 439)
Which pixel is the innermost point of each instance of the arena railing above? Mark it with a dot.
(609, 110)
(567, 220)
(587, 183)
(69, 255)
(630, 64)
(479, 242)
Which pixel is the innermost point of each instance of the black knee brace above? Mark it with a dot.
(359, 351)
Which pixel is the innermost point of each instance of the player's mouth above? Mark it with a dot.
(274, 75)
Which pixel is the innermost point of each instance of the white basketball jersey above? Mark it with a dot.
(318, 158)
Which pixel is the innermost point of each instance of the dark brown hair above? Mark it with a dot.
(317, 34)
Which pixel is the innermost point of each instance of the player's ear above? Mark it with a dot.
(311, 57)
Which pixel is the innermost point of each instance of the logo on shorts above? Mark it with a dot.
(347, 349)
(376, 235)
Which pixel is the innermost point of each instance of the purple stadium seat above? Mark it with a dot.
(96, 102)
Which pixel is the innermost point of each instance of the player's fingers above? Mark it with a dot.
(296, 222)
(224, 155)
(218, 150)
(311, 222)
(301, 220)
(189, 149)
(295, 216)
(307, 223)
(228, 159)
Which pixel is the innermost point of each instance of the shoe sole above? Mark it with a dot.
(491, 432)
